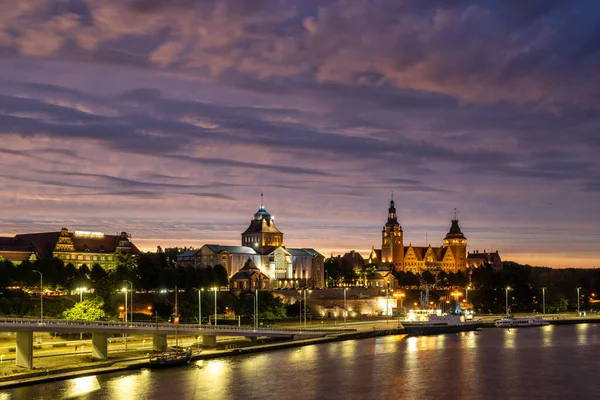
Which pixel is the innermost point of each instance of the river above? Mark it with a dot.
(528, 363)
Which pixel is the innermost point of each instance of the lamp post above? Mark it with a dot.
(507, 289)
(124, 290)
(81, 290)
(544, 300)
(131, 300)
(345, 305)
(200, 290)
(215, 289)
(578, 288)
(467, 294)
(41, 295)
(387, 306)
(256, 309)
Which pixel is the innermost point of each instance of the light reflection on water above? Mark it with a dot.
(549, 362)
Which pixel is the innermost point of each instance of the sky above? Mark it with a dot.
(167, 119)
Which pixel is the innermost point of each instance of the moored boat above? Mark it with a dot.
(513, 322)
(170, 358)
(438, 324)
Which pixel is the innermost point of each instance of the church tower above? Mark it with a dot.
(457, 241)
(392, 246)
(262, 231)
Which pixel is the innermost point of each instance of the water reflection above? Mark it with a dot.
(582, 334)
(81, 386)
(547, 335)
(509, 338)
(549, 362)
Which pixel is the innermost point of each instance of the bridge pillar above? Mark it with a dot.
(99, 346)
(209, 341)
(25, 349)
(159, 343)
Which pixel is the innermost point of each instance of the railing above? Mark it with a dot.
(65, 322)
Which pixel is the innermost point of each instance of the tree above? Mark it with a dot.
(441, 279)
(333, 271)
(221, 275)
(70, 273)
(83, 274)
(148, 270)
(8, 272)
(90, 309)
(427, 277)
(270, 307)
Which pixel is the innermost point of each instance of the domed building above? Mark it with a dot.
(263, 244)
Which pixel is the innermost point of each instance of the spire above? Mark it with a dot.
(262, 204)
(455, 231)
(455, 212)
(392, 218)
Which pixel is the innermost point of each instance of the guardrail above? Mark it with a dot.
(78, 323)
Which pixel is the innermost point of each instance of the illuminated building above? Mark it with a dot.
(249, 277)
(263, 244)
(477, 259)
(78, 247)
(450, 257)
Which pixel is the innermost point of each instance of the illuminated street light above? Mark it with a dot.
(507, 289)
(81, 290)
(130, 299)
(124, 290)
(200, 290)
(345, 305)
(215, 289)
(41, 295)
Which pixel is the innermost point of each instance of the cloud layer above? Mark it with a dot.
(169, 118)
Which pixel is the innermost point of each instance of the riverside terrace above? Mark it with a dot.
(24, 328)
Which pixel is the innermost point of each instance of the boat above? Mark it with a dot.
(170, 358)
(174, 356)
(438, 324)
(510, 321)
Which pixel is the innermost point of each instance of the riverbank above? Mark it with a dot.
(106, 367)
(133, 363)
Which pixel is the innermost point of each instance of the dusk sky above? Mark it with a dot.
(166, 119)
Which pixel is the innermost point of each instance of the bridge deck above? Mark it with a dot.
(69, 326)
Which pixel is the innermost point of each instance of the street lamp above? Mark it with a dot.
(131, 300)
(467, 294)
(387, 306)
(345, 305)
(578, 288)
(124, 290)
(215, 289)
(310, 291)
(256, 309)
(544, 300)
(41, 295)
(507, 289)
(200, 290)
(81, 290)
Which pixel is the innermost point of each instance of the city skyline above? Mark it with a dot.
(168, 119)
